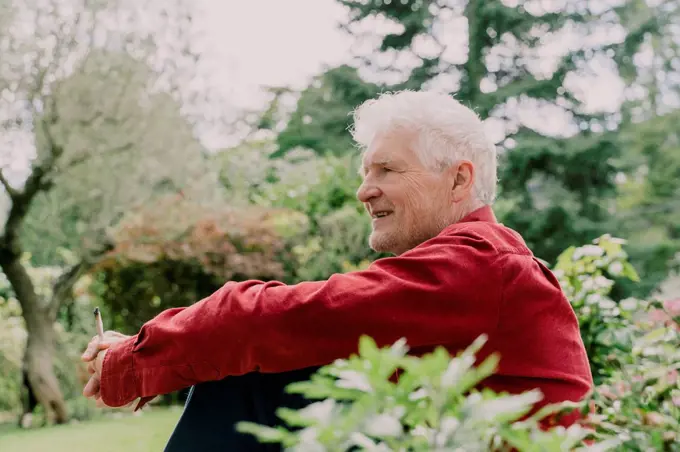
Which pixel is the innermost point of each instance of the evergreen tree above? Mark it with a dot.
(502, 58)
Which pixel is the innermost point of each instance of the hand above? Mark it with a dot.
(94, 356)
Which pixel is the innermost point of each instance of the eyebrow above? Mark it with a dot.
(381, 162)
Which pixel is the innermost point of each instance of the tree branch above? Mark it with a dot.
(35, 183)
(87, 156)
(63, 286)
(8, 188)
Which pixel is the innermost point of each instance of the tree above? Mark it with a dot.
(518, 62)
(648, 208)
(176, 251)
(83, 83)
(322, 115)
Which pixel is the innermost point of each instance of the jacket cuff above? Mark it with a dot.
(119, 383)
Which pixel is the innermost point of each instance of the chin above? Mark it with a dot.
(382, 243)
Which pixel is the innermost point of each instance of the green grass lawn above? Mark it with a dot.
(145, 433)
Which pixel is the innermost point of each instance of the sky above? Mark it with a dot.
(253, 44)
(271, 42)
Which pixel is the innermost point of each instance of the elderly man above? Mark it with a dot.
(429, 179)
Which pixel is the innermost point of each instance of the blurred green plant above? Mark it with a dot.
(640, 403)
(432, 406)
(12, 342)
(73, 329)
(435, 403)
(607, 326)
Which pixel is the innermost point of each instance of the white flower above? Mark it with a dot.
(587, 250)
(366, 443)
(447, 428)
(603, 282)
(456, 368)
(320, 411)
(308, 441)
(489, 409)
(383, 425)
(615, 268)
(593, 298)
(399, 348)
(606, 303)
(351, 379)
(418, 394)
(629, 304)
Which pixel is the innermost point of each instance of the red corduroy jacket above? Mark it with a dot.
(476, 277)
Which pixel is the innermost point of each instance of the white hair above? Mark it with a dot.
(447, 131)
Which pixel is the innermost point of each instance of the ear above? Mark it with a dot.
(462, 176)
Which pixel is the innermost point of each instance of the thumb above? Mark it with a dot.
(93, 348)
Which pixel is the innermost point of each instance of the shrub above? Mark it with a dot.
(640, 403)
(607, 326)
(177, 252)
(432, 406)
(12, 344)
(435, 405)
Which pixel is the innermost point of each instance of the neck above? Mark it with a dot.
(466, 208)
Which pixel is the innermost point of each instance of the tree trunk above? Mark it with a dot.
(28, 402)
(40, 372)
(40, 347)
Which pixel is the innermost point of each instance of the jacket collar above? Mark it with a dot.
(484, 214)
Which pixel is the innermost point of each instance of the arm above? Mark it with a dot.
(447, 291)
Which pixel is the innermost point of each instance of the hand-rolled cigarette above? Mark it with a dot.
(100, 325)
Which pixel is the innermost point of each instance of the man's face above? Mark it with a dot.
(408, 202)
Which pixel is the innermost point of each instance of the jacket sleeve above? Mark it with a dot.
(447, 291)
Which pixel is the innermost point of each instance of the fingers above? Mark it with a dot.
(115, 335)
(99, 402)
(96, 345)
(91, 389)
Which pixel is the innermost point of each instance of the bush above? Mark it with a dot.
(607, 326)
(432, 406)
(640, 404)
(74, 329)
(435, 405)
(12, 344)
(177, 252)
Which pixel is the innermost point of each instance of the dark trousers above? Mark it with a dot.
(213, 409)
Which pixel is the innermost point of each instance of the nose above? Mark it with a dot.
(367, 191)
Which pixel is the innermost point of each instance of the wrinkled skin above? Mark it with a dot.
(419, 202)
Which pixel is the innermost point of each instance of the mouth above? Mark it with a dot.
(380, 214)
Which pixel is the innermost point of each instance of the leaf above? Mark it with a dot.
(265, 434)
(630, 272)
(367, 347)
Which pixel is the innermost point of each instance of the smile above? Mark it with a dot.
(382, 214)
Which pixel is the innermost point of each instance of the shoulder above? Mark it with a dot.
(487, 235)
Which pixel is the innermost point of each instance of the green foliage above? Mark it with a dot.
(74, 329)
(648, 208)
(607, 327)
(578, 171)
(323, 113)
(566, 181)
(177, 252)
(12, 342)
(432, 406)
(640, 404)
(323, 190)
(436, 402)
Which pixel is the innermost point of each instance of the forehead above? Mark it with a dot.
(388, 148)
